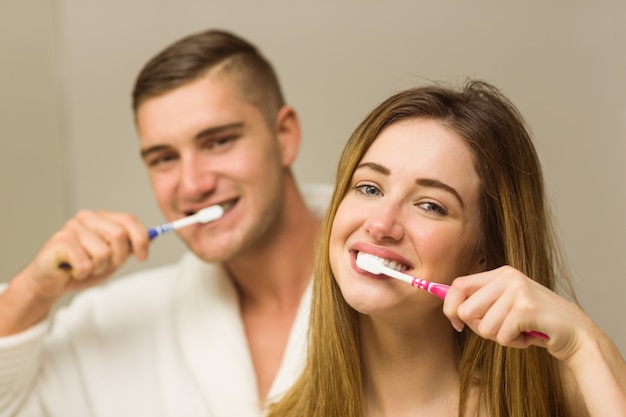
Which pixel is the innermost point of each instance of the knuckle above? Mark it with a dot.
(116, 234)
(82, 269)
(460, 284)
(448, 310)
(525, 306)
(83, 215)
(501, 339)
(464, 313)
(486, 330)
(128, 217)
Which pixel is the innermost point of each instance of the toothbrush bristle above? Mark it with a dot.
(210, 213)
(369, 263)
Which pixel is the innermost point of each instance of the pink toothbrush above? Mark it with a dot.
(374, 265)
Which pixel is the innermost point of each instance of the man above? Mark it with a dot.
(224, 329)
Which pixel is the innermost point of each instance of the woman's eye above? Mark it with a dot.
(367, 190)
(433, 208)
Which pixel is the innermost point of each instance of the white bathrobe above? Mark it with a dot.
(165, 342)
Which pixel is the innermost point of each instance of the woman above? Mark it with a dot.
(446, 185)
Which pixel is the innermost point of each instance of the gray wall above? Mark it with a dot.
(68, 140)
(33, 192)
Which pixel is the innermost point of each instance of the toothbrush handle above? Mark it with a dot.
(535, 333)
(440, 290)
(159, 230)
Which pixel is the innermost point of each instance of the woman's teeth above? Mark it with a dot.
(391, 264)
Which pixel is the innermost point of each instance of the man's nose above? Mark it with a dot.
(196, 178)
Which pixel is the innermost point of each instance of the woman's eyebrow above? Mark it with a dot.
(374, 166)
(434, 183)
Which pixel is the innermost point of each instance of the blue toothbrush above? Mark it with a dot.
(205, 215)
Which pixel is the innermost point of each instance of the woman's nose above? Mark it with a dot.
(385, 224)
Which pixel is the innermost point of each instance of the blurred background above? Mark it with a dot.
(68, 66)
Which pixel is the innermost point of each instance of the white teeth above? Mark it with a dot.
(227, 205)
(393, 265)
(390, 264)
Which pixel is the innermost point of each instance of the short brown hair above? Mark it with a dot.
(194, 56)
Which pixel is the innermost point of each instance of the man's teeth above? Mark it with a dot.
(228, 204)
(389, 264)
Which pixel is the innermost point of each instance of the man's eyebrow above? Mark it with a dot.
(433, 183)
(152, 149)
(218, 129)
(202, 134)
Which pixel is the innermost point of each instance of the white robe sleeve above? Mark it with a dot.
(20, 356)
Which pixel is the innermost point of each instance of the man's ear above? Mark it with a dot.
(289, 135)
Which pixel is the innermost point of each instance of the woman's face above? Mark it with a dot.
(413, 200)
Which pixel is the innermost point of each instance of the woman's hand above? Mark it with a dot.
(503, 303)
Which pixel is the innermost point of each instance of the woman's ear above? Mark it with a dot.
(480, 264)
(289, 135)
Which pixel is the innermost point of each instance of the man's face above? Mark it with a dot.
(204, 145)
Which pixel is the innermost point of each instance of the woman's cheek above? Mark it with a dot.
(438, 253)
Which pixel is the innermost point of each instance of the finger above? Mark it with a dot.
(506, 317)
(513, 333)
(111, 247)
(88, 237)
(531, 302)
(64, 255)
(454, 298)
(505, 324)
(136, 234)
(122, 232)
(477, 305)
(90, 254)
(468, 299)
(486, 319)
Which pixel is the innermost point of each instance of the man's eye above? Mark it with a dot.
(219, 142)
(160, 160)
(367, 190)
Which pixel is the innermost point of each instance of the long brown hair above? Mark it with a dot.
(516, 230)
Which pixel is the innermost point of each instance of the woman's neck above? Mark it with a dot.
(409, 369)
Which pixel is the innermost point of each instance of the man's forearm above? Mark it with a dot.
(21, 308)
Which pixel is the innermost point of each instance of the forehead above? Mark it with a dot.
(424, 148)
(211, 100)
